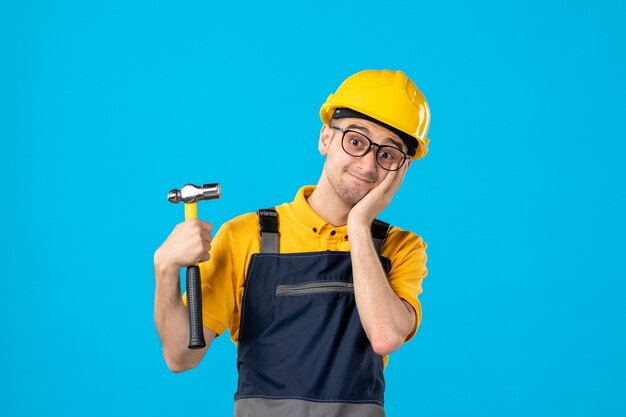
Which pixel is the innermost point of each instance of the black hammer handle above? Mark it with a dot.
(194, 306)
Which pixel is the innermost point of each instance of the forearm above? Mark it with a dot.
(386, 319)
(172, 322)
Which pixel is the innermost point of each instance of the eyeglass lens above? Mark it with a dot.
(356, 144)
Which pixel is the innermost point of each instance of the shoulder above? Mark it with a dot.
(404, 237)
(243, 224)
(238, 237)
(400, 243)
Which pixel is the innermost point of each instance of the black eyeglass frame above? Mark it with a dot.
(371, 143)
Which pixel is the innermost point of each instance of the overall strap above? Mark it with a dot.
(268, 220)
(379, 233)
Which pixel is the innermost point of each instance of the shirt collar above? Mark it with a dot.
(304, 213)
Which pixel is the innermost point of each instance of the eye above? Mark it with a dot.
(355, 142)
(390, 154)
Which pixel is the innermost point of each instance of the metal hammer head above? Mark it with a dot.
(191, 193)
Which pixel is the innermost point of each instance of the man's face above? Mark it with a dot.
(353, 177)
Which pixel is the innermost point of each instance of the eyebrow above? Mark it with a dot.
(366, 131)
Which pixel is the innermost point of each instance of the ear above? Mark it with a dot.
(326, 135)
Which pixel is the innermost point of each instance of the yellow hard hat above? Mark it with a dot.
(388, 97)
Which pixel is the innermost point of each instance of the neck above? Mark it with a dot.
(327, 204)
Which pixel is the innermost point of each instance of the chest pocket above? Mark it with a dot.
(314, 287)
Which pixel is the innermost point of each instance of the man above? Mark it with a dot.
(317, 292)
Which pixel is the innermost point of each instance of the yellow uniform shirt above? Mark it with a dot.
(301, 230)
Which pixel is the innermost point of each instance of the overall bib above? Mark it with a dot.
(302, 349)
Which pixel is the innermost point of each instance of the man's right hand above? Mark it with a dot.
(188, 244)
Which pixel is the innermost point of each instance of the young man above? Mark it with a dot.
(317, 292)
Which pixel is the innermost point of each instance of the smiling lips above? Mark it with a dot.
(368, 180)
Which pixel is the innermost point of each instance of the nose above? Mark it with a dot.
(368, 161)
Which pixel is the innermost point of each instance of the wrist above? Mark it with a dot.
(357, 228)
(163, 266)
(360, 219)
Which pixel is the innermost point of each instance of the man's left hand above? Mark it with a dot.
(379, 197)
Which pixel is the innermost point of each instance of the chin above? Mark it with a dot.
(350, 191)
(351, 196)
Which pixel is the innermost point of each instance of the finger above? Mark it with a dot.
(204, 225)
(202, 253)
(388, 180)
(402, 173)
(206, 236)
(391, 179)
(204, 257)
(397, 177)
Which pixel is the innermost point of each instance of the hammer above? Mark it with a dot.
(190, 194)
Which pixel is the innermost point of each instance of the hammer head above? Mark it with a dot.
(192, 193)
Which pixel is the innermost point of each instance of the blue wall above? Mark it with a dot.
(105, 106)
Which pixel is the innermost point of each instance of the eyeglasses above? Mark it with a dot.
(358, 145)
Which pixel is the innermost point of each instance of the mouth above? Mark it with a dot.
(367, 181)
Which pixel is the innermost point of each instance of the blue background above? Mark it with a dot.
(106, 106)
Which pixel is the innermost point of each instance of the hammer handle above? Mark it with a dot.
(194, 307)
(194, 294)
